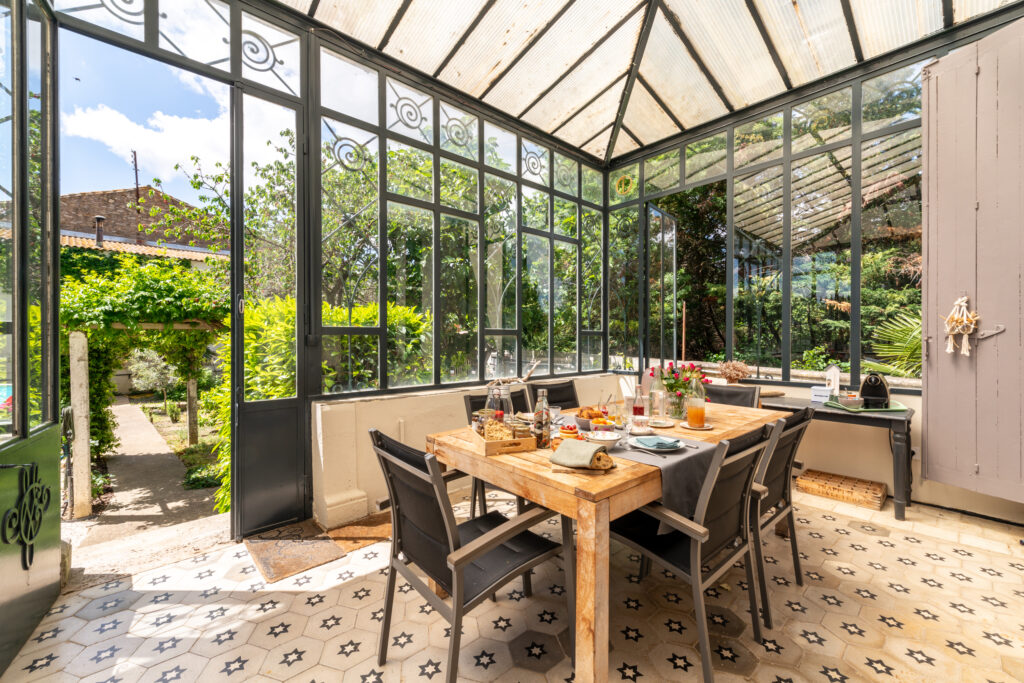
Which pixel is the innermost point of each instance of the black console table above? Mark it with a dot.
(898, 425)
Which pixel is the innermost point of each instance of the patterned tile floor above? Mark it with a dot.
(939, 597)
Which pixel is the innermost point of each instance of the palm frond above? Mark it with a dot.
(897, 343)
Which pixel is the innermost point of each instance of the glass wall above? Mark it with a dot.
(793, 226)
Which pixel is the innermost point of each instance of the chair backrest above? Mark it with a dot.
(475, 402)
(422, 523)
(774, 472)
(725, 497)
(561, 394)
(745, 395)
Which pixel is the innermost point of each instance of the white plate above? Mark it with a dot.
(605, 438)
(636, 444)
(662, 422)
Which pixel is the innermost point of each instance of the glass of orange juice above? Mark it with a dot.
(695, 412)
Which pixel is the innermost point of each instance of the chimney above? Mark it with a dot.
(99, 229)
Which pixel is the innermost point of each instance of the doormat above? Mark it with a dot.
(363, 532)
(291, 550)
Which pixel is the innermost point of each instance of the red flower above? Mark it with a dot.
(692, 366)
(675, 375)
(652, 373)
(679, 393)
(670, 364)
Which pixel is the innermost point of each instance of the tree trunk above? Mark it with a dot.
(193, 411)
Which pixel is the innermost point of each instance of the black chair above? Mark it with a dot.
(470, 560)
(475, 402)
(717, 536)
(561, 394)
(746, 395)
(775, 475)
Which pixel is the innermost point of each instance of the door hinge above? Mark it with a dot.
(977, 468)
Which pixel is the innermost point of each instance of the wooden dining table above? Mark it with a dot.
(592, 500)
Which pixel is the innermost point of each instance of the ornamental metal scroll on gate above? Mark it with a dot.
(21, 523)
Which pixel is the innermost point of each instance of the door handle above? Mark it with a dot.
(985, 334)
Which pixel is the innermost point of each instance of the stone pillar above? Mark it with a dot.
(192, 410)
(81, 474)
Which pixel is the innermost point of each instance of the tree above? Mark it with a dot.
(150, 372)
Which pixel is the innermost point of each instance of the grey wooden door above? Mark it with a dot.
(974, 245)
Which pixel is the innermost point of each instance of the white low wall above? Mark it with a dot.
(347, 481)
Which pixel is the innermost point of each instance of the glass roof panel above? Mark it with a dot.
(501, 35)
(624, 143)
(724, 35)
(607, 63)
(670, 70)
(645, 117)
(599, 144)
(301, 5)
(365, 21)
(598, 115)
(569, 38)
(965, 9)
(812, 38)
(444, 23)
(884, 25)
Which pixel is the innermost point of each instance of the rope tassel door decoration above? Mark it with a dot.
(960, 322)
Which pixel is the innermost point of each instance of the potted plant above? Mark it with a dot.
(734, 370)
(676, 379)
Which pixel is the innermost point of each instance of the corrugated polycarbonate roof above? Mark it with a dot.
(620, 74)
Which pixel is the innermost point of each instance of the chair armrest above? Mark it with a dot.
(677, 521)
(498, 535)
(798, 464)
(759, 490)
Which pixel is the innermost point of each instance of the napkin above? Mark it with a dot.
(582, 454)
(657, 442)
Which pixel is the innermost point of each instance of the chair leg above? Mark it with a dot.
(758, 558)
(385, 626)
(527, 579)
(452, 673)
(645, 567)
(569, 566)
(701, 617)
(752, 591)
(478, 499)
(796, 553)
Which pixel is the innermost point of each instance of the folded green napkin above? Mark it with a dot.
(582, 454)
(657, 442)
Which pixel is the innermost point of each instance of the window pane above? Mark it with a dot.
(269, 250)
(892, 98)
(822, 120)
(593, 186)
(410, 171)
(459, 132)
(758, 141)
(565, 217)
(349, 87)
(661, 172)
(270, 56)
(410, 112)
(124, 17)
(6, 220)
(758, 269)
(499, 148)
(566, 175)
(38, 342)
(592, 347)
(458, 278)
(623, 289)
(593, 265)
(197, 29)
(565, 307)
(657, 352)
(706, 158)
(459, 186)
(624, 184)
(349, 363)
(500, 236)
(820, 324)
(891, 259)
(535, 209)
(536, 289)
(536, 166)
(500, 353)
(350, 258)
(410, 282)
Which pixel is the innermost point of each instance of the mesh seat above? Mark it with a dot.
(743, 395)
(502, 559)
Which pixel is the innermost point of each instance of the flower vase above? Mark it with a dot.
(677, 406)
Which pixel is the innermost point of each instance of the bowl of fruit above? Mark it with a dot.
(601, 424)
(585, 415)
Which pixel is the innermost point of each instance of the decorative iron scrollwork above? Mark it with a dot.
(533, 163)
(257, 52)
(21, 523)
(128, 11)
(565, 176)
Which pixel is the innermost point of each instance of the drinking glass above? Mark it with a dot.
(695, 407)
(554, 411)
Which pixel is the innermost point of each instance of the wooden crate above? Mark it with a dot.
(507, 446)
(869, 494)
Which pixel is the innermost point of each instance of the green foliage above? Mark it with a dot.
(897, 342)
(174, 411)
(100, 482)
(816, 358)
(202, 477)
(151, 373)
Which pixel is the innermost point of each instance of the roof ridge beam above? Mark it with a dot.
(673, 21)
(634, 70)
(595, 136)
(755, 14)
(593, 48)
(464, 37)
(851, 25)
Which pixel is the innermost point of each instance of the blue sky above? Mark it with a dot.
(113, 101)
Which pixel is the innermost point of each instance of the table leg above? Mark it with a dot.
(592, 558)
(901, 477)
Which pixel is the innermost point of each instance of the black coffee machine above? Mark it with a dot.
(874, 390)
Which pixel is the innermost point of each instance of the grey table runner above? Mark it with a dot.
(682, 474)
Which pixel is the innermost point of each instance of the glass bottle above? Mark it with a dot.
(506, 404)
(657, 394)
(495, 404)
(541, 429)
(640, 402)
(696, 404)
